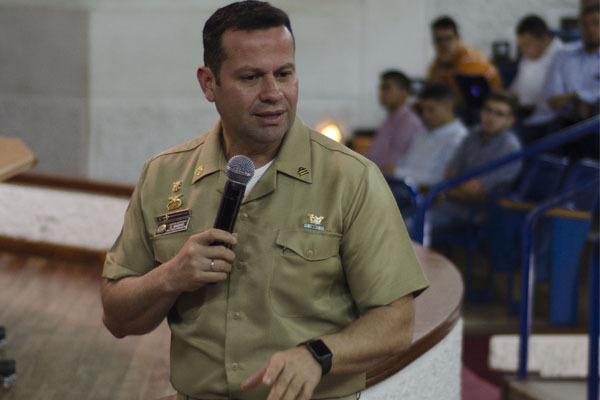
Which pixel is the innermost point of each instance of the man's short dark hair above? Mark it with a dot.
(507, 98)
(533, 25)
(445, 22)
(246, 15)
(398, 77)
(590, 8)
(437, 92)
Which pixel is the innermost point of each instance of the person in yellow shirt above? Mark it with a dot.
(454, 59)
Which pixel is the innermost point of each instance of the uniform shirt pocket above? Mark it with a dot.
(166, 247)
(307, 278)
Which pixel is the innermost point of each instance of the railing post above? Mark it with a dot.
(527, 289)
(594, 323)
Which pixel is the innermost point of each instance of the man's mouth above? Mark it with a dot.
(270, 117)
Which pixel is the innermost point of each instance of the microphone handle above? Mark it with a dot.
(230, 204)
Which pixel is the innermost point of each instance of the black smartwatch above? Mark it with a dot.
(321, 353)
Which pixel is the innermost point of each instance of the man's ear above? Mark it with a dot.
(207, 82)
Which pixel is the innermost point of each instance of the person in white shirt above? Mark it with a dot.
(538, 49)
(429, 153)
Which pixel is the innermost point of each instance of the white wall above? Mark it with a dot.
(142, 54)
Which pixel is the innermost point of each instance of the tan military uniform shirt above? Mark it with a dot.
(320, 242)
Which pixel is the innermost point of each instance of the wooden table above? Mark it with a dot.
(15, 157)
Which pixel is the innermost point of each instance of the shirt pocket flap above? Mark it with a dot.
(310, 246)
(167, 246)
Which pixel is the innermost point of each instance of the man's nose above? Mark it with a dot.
(270, 90)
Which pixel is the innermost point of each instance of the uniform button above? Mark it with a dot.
(235, 366)
(244, 215)
(237, 315)
(310, 252)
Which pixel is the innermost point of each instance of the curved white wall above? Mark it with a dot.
(433, 376)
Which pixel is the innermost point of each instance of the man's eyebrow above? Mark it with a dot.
(249, 68)
(288, 65)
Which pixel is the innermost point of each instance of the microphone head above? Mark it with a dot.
(240, 169)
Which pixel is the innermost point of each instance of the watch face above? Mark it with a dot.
(320, 348)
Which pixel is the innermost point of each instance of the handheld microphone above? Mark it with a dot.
(240, 170)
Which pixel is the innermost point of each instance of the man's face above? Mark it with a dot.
(258, 90)
(391, 94)
(496, 116)
(435, 112)
(446, 43)
(531, 47)
(590, 30)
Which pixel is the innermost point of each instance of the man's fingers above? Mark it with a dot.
(212, 235)
(254, 380)
(274, 368)
(280, 385)
(212, 277)
(220, 252)
(294, 388)
(305, 393)
(219, 266)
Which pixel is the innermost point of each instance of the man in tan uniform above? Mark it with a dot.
(318, 283)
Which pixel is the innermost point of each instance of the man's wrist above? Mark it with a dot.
(321, 353)
(166, 283)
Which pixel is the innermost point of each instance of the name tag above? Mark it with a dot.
(174, 222)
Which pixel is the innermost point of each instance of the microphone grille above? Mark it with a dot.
(240, 169)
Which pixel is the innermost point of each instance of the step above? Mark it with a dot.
(550, 356)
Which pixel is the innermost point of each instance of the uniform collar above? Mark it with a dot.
(212, 157)
(293, 159)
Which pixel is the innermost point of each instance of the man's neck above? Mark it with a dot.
(393, 110)
(490, 135)
(445, 121)
(259, 153)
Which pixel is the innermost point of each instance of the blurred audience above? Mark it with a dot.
(428, 155)
(573, 87)
(492, 140)
(396, 133)
(572, 90)
(538, 49)
(454, 59)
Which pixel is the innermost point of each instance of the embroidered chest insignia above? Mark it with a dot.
(175, 202)
(314, 222)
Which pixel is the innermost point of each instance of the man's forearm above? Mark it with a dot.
(137, 305)
(381, 332)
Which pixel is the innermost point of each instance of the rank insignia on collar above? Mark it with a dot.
(303, 171)
(176, 186)
(199, 170)
(175, 202)
(314, 222)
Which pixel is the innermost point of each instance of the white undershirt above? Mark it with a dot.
(258, 173)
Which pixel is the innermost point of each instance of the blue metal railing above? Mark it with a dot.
(528, 272)
(424, 202)
(594, 320)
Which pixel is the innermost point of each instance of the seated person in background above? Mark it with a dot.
(454, 59)
(494, 139)
(572, 90)
(394, 136)
(428, 155)
(573, 86)
(538, 49)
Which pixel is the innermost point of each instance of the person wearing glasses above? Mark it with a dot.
(454, 59)
(491, 140)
